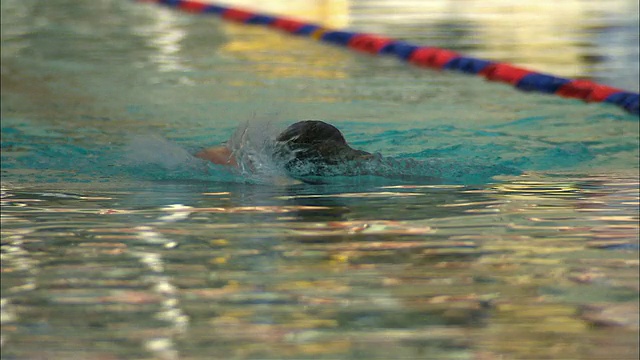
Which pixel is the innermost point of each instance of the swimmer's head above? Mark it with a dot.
(317, 142)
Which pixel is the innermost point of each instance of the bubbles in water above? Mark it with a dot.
(152, 149)
(154, 157)
(253, 146)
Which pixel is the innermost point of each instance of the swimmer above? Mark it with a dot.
(311, 150)
(305, 142)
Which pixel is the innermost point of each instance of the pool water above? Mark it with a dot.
(118, 244)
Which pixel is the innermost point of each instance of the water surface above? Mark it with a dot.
(118, 244)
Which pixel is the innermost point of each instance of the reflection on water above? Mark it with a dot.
(534, 267)
(330, 13)
(165, 36)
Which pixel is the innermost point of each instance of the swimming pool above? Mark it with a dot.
(116, 243)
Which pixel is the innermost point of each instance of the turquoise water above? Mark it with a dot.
(117, 243)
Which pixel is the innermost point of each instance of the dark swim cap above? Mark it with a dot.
(317, 142)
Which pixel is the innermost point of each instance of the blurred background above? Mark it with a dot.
(573, 38)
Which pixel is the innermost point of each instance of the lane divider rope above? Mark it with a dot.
(423, 56)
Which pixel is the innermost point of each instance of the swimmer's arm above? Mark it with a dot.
(220, 155)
